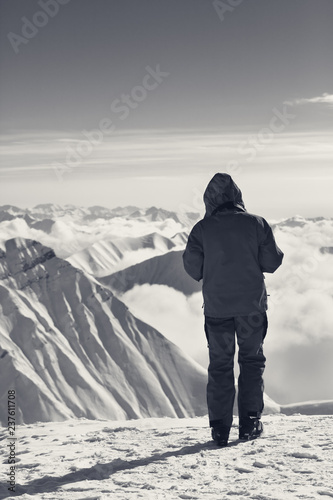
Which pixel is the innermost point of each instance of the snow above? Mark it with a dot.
(170, 459)
(309, 408)
(67, 344)
(72, 349)
(98, 240)
(117, 253)
(167, 269)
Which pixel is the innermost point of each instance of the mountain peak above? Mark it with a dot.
(74, 349)
(26, 248)
(24, 259)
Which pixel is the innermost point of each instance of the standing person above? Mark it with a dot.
(230, 249)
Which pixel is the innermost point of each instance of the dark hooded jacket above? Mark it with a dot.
(230, 249)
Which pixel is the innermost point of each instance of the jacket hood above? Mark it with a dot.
(222, 189)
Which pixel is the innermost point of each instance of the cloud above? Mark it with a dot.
(326, 99)
(69, 236)
(301, 299)
(154, 153)
(177, 317)
(298, 345)
(299, 342)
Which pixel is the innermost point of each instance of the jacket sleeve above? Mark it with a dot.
(270, 256)
(193, 256)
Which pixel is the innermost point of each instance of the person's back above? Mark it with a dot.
(229, 249)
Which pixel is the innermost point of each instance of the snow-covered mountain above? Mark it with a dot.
(104, 255)
(167, 269)
(138, 253)
(99, 240)
(308, 408)
(69, 347)
(299, 221)
(86, 214)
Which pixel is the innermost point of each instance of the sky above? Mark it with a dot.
(140, 103)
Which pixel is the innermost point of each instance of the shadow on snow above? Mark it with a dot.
(98, 472)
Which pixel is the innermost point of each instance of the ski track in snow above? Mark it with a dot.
(171, 459)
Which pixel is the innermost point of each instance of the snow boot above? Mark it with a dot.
(220, 435)
(250, 428)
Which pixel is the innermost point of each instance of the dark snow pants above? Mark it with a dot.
(250, 332)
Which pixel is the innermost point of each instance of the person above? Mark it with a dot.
(229, 250)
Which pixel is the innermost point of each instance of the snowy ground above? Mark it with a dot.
(170, 459)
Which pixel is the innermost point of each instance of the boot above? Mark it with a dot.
(220, 435)
(250, 428)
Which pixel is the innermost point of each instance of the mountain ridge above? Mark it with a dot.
(166, 269)
(47, 210)
(71, 348)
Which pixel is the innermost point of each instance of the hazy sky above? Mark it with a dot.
(180, 89)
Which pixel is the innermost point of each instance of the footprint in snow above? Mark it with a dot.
(327, 493)
(297, 454)
(260, 465)
(243, 470)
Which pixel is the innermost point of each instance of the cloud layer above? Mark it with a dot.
(299, 344)
(325, 98)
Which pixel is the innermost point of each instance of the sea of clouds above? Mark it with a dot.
(299, 344)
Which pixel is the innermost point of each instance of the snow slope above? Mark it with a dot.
(70, 348)
(119, 252)
(96, 238)
(167, 269)
(309, 408)
(170, 459)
